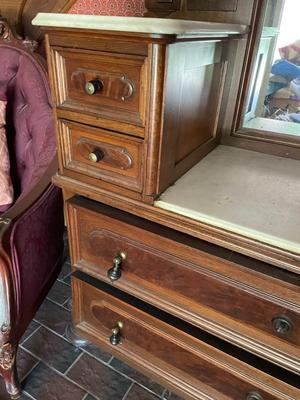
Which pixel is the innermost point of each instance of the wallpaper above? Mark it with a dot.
(131, 8)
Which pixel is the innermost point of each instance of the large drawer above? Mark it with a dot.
(106, 85)
(100, 154)
(247, 308)
(153, 342)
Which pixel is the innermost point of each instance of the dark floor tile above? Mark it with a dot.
(31, 328)
(45, 384)
(25, 363)
(89, 397)
(52, 349)
(68, 304)
(60, 292)
(98, 379)
(53, 316)
(97, 352)
(137, 376)
(67, 280)
(65, 271)
(138, 393)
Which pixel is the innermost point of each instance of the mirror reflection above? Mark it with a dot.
(273, 102)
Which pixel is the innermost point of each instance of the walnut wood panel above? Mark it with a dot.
(183, 362)
(212, 5)
(103, 155)
(32, 7)
(163, 7)
(230, 11)
(194, 89)
(122, 80)
(239, 305)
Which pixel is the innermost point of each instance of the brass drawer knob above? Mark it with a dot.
(115, 337)
(115, 272)
(96, 156)
(282, 325)
(254, 396)
(93, 87)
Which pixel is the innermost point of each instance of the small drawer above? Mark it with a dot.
(109, 86)
(247, 308)
(103, 155)
(177, 357)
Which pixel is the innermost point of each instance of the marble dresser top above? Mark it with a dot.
(153, 26)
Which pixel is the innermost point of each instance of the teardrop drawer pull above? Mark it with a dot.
(115, 272)
(254, 396)
(282, 325)
(93, 87)
(96, 156)
(115, 337)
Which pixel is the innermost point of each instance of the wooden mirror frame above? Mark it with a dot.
(265, 141)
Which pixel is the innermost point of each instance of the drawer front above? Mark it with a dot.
(188, 364)
(101, 154)
(252, 310)
(107, 85)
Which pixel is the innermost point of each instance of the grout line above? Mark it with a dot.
(85, 396)
(51, 330)
(110, 360)
(29, 336)
(35, 365)
(61, 374)
(28, 395)
(128, 390)
(73, 363)
(58, 304)
(68, 299)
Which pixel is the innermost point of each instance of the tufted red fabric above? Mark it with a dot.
(30, 126)
(129, 8)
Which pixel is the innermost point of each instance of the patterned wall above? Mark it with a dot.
(109, 7)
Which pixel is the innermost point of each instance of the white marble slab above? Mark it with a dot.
(159, 26)
(252, 194)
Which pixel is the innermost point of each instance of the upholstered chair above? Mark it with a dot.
(31, 228)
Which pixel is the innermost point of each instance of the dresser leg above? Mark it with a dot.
(74, 338)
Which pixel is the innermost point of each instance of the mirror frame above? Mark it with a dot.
(238, 131)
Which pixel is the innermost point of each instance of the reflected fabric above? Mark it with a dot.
(6, 187)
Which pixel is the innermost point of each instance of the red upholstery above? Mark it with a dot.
(30, 129)
(31, 231)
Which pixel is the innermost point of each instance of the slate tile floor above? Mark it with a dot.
(50, 368)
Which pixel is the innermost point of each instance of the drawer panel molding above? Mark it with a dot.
(179, 359)
(244, 307)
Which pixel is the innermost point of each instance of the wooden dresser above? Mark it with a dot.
(137, 106)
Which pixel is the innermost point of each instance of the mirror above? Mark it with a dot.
(273, 101)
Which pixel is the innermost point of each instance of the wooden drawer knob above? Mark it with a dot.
(282, 325)
(115, 337)
(93, 87)
(115, 272)
(96, 156)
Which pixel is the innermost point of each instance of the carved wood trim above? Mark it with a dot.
(7, 356)
(9, 36)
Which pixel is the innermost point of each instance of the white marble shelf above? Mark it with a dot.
(155, 26)
(255, 195)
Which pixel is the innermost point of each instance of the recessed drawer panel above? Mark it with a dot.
(250, 309)
(184, 362)
(103, 155)
(107, 85)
